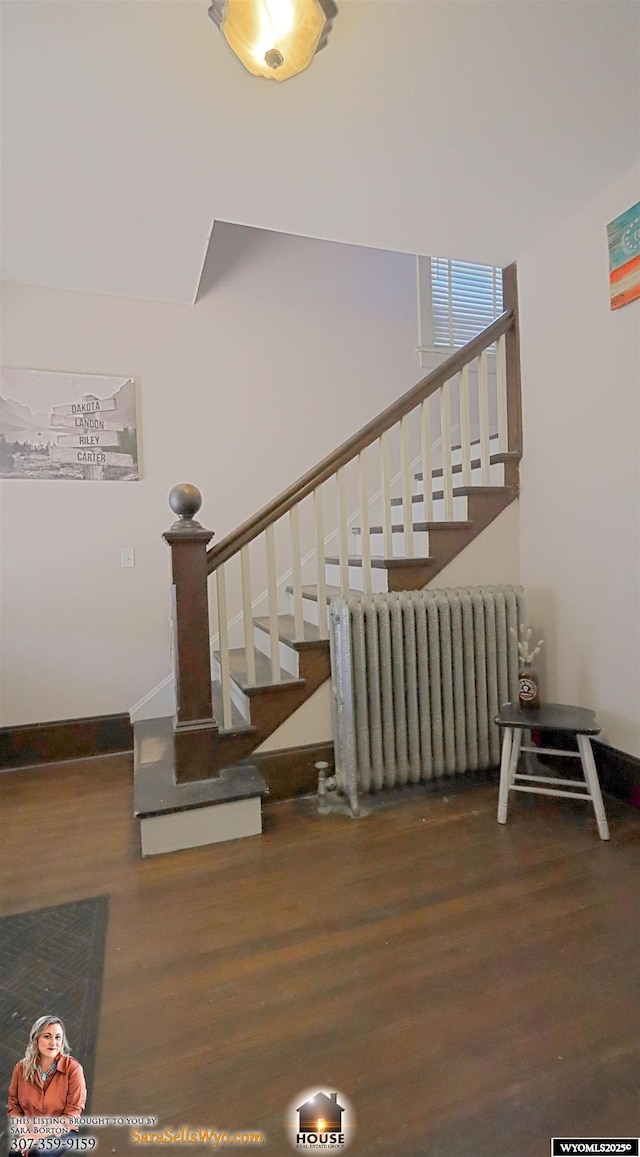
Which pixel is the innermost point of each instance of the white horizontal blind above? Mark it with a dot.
(465, 298)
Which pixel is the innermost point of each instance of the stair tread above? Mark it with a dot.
(406, 561)
(419, 527)
(476, 441)
(264, 678)
(287, 630)
(461, 492)
(458, 492)
(356, 560)
(415, 498)
(476, 463)
(311, 592)
(467, 491)
(381, 563)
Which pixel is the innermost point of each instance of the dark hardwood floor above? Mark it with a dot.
(471, 988)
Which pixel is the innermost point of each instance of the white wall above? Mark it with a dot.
(580, 501)
(291, 347)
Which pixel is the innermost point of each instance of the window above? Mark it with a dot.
(456, 299)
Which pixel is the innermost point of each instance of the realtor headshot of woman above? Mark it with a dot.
(47, 1082)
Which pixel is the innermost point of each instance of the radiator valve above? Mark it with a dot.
(326, 784)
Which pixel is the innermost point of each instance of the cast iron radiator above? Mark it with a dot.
(417, 678)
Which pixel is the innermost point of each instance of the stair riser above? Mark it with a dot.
(496, 476)
(419, 515)
(378, 578)
(271, 709)
(288, 657)
(398, 546)
(309, 609)
(456, 454)
(238, 697)
(483, 508)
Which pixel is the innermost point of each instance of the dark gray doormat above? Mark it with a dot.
(51, 961)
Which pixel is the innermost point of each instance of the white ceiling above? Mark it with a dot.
(466, 128)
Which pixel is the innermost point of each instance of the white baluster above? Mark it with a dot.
(365, 535)
(465, 426)
(427, 464)
(485, 445)
(298, 618)
(407, 486)
(386, 494)
(223, 635)
(247, 615)
(343, 532)
(272, 589)
(445, 431)
(323, 629)
(501, 374)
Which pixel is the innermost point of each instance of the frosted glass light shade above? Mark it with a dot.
(274, 38)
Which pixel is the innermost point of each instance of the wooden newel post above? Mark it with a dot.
(195, 727)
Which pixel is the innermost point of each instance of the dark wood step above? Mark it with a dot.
(475, 442)
(311, 593)
(414, 498)
(420, 527)
(446, 540)
(270, 704)
(476, 463)
(383, 564)
(458, 492)
(443, 527)
(264, 678)
(449, 538)
(462, 492)
(484, 503)
(356, 560)
(482, 491)
(287, 632)
(392, 563)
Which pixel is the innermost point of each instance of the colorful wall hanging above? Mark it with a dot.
(624, 257)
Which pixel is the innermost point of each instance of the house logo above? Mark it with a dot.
(320, 1121)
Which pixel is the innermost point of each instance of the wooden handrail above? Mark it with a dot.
(325, 469)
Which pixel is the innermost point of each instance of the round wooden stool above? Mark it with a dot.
(577, 721)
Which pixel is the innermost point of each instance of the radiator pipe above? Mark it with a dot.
(326, 784)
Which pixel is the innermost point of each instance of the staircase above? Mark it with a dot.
(259, 704)
(387, 511)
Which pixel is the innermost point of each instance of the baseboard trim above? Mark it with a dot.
(291, 771)
(33, 743)
(618, 772)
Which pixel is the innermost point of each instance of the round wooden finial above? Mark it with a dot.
(185, 500)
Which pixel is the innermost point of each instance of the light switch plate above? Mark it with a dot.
(127, 556)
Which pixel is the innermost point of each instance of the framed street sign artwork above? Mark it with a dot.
(60, 425)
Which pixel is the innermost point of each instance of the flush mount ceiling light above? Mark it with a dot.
(274, 38)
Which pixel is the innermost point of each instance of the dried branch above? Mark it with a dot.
(527, 655)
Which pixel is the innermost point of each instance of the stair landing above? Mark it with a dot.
(175, 816)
